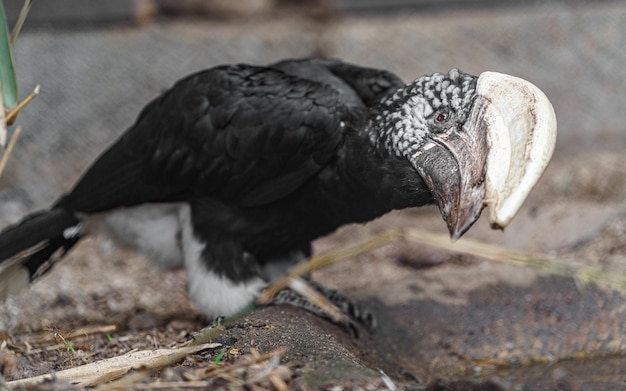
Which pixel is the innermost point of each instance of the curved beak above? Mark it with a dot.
(497, 157)
(453, 166)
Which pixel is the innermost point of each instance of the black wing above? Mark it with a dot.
(242, 134)
(357, 85)
(245, 135)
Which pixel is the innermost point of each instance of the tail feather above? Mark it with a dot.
(29, 248)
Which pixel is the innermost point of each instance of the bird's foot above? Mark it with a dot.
(218, 321)
(328, 304)
(362, 314)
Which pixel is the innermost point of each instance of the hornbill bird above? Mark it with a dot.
(234, 170)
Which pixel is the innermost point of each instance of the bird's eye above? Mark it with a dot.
(441, 117)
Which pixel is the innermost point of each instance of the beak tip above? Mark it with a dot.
(458, 225)
(458, 230)
(455, 235)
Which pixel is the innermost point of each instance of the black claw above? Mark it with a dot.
(351, 328)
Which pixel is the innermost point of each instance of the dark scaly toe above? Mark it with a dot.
(355, 310)
(288, 296)
(351, 314)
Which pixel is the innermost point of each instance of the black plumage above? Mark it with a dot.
(267, 159)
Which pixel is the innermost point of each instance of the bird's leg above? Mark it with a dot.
(355, 310)
(326, 303)
(300, 294)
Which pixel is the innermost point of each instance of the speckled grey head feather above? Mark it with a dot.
(403, 119)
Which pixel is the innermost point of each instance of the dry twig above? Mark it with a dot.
(109, 369)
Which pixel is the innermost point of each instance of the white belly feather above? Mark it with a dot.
(163, 233)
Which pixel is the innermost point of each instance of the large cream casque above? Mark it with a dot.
(521, 138)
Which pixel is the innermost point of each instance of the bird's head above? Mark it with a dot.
(475, 141)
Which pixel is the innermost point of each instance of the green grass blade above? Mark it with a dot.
(219, 357)
(7, 66)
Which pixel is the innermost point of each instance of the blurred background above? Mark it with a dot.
(99, 63)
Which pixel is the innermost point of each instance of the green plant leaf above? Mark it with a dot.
(219, 356)
(7, 66)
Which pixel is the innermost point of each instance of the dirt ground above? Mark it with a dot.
(447, 321)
